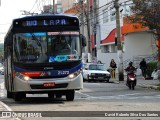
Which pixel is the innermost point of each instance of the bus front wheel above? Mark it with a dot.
(9, 94)
(18, 96)
(70, 95)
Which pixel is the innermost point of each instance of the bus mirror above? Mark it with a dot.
(83, 39)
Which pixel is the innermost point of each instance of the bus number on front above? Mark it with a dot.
(63, 72)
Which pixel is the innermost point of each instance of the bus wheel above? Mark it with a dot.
(9, 94)
(18, 96)
(51, 95)
(70, 95)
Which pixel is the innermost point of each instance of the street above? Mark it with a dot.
(95, 96)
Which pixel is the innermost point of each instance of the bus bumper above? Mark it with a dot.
(38, 85)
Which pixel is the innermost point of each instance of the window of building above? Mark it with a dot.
(105, 16)
(59, 8)
(112, 15)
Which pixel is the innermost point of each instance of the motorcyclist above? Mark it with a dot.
(130, 68)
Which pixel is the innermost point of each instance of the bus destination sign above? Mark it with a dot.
(50, 22)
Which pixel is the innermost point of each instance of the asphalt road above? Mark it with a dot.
(94, 97)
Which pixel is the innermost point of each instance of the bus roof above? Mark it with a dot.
(46, 15)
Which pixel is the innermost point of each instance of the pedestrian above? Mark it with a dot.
(113, 67)
(143, 67)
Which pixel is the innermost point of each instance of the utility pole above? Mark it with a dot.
(82, 16)
(82, 25)
(94, 25)
(53, 6)
(96, 29)
(119, 44)
(88, 30)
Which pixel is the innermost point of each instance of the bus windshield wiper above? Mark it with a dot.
(37, 41)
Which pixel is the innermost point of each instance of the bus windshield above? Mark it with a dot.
(44, 47)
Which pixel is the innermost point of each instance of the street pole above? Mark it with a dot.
(98, 33)
(53, 6)
(82, 16)
(96, 29)
(119, 44)
(88, 29)
(82, 26)
(94, 25)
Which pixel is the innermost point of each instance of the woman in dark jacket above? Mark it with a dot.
(113, 67)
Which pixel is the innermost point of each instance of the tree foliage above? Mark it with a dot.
(147, 13)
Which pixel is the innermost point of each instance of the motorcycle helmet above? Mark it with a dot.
(130, 63)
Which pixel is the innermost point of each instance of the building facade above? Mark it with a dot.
(137, 41)
(67, 4)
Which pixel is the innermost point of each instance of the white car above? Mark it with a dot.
(94, 72)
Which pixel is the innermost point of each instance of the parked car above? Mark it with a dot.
(1, 69)
(96, 72)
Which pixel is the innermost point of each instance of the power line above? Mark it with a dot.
(109, 4)
(33, 5)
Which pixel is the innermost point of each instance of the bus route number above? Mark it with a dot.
(63, 72)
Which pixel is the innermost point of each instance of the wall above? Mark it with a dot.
(106, 58)
(139, 43)
(136, 44)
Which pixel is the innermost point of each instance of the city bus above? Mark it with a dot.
(42, 54)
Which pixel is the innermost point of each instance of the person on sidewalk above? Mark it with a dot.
(143, 67)
(113, 67)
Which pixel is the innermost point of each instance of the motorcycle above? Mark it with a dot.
(131, 79)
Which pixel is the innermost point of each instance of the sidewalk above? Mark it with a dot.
(151, 84)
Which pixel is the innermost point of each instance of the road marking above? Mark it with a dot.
(124, 96)
(83, 94)
(93, 84)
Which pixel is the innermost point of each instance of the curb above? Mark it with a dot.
(140, 85)
(149, 86)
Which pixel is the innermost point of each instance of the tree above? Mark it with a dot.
(147, 13)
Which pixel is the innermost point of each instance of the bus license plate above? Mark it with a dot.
(49, 84)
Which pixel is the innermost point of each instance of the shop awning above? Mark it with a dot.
(111, 37)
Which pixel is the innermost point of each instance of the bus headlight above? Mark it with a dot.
(26, 78)
(22, 76)
(73, 75)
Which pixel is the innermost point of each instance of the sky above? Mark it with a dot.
(11, 9)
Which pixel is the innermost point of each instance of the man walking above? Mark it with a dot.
(143, 67)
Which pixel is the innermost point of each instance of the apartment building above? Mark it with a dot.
(66, 4)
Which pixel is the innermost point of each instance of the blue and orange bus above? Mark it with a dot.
(42, 54)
